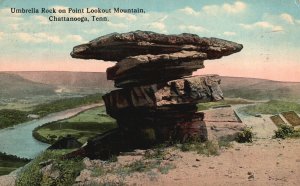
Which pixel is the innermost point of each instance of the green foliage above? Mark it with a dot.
(113, 158)
(145, 166)
(10, 117)
(140, 166)
(164, 169)
(98, 171)
(156, 153)
(207, 148)
(60, 105)
(9, 163)
(68, 171)
(271, 107)
(245, 136)
(152, 160)
(286, 131)
(8, 157)
(225, 142)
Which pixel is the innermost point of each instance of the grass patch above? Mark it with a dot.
(67, 170)
(271, 107)
(146, 166)
(223, 103)
(83, 126)
(151, 162)
(207, 148)
(286, 131)
(164, 169)
(9, 163)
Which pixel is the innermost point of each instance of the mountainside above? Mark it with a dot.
(258, 89)
(14, 86)
(69, 79)
(234, 87)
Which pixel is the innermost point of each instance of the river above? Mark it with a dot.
(18, 140)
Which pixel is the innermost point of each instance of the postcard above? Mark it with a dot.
(159, 92)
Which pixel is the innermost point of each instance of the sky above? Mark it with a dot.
(268, 29)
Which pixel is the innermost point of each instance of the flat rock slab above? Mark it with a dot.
(190, 90)
(115, 46)
(222, 123)
(277, 120)
(147, 69)
(225, 114)
(217, 130)
(292, 118)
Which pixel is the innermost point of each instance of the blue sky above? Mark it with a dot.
(268, 29)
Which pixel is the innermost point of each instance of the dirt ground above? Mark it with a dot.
(263, 162)
(7, 180)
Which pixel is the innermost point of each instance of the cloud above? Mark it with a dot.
(229, 33)
(117, 25)
(7, 17)
(189, 11)
(41, 19)
(128, 17)
(92, 31)
(234, 8)
(14, 26)
(159, 24)
(7, 12)
(211, 9)
(76, 38)
(1, 35)
(287, 18)
(38, 37)
(262, 25)
(192, 28)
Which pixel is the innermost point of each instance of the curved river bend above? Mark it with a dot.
(18, 140)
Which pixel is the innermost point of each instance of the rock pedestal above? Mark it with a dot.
(157, 96)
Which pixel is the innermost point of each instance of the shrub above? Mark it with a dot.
(68, 170)
(245, 136)
(284, 131)
(207, 148)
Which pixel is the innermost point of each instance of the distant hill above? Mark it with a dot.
(247, 88)
(259, 89)
(14, 86)
(69, 79)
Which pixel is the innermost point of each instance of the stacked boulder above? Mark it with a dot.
(157, 95)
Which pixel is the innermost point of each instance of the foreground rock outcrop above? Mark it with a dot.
(158, 96)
